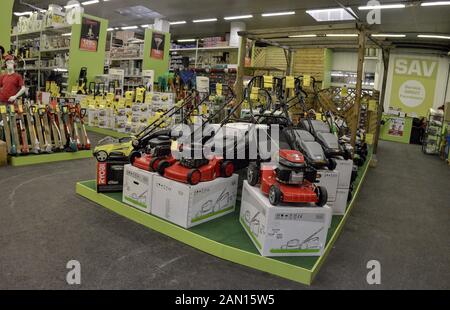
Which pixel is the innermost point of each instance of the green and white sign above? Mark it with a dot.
(414, 84)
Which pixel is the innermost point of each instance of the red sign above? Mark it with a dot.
(101, 173)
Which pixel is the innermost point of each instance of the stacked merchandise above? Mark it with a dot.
(214, 42)
(30, 128)
(434, 138)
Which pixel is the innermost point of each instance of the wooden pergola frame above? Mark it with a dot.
(282, 38)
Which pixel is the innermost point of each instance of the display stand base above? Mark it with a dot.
(27, 160)
(107, 132)
(225, 237)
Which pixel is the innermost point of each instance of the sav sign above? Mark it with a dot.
(413, 84)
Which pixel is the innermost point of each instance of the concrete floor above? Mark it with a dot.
(401, 219)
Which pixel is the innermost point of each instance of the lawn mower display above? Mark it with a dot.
(290, 181)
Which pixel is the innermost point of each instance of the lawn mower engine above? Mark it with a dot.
(292, 168)
(157, 153)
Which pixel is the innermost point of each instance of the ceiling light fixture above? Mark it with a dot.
(67, 34)
(433, 36)
(388, 35)
(72, 6)
(145, 26)
(181, 22)
(22, 13)
(304, 36)
(186, 40)
(110, 29)
(238, 17)
(129, 27)
(436, 3)
(206, 20)
(89, 2)
(381, 6)
(333, 14)
(341, 35)
(278, 14)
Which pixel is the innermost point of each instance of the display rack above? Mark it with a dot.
(434, 133)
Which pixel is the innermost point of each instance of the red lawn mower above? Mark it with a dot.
(291, 181)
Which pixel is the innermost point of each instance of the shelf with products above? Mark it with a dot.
(433, 133)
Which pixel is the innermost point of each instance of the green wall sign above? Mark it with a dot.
(5, 23)
(414, 84)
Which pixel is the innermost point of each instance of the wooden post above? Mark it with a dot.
(239, 86)
(359, 77)
(385, 55)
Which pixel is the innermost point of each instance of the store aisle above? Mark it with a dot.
(401, 219)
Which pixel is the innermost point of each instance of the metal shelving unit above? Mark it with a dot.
(433, 134)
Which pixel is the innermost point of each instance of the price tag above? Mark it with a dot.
(174, 146)
(219, 89)
(369, 138)
(372, 105)
(268, 81)
(254, 93)
(344, 91)
(290, 82)
(306, 80)
(2, 109)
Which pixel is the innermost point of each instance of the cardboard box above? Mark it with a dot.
(138, 188)
(3, 153)
(110, 175)
(345, 168)
(339, 205)
(189, 206)
(329, 180)
(286, 229)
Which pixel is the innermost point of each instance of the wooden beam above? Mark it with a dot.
(359, 78)
(386, 56)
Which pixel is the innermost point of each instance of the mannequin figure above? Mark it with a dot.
(11, 83)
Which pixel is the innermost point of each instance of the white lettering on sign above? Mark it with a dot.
(415, 67)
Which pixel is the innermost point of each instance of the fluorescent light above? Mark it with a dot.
(23, 13)
(67, 34)
(278, 14)
(304, 36)
(71, 6)
(186, 40)
(333, 14)
(436, 3)
(207, 20)
(110, 29)
(145, 26)
(432, 36)
(129, 27)
(381, 6)
(89, 2)
(388, 35)
(341, 34)
(181, 22)
(238, 17)
(116, 28)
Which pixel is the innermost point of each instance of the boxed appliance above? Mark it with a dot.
(286, 229)
(137, 188)
(110, 175)
(188, 206)
(345, 168)
(329, 180)
(339, 205)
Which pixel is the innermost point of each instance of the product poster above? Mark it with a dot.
(414, 84)
(158, 45)
(396, 127)
(90, 33)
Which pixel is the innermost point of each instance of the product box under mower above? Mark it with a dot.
(110, 176)
(286, 229)
(188, 206)
(138, 188)
(329, 180)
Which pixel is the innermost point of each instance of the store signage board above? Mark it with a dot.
(158, 45)
(414, 84)
(90, 33)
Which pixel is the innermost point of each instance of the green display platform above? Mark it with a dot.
(225, 237)
(107, 132)
(28, 160)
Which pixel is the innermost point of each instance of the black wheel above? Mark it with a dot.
(226, 169)
(134, 155)
(194, 177)
(253, 174)
(152, 167)
(332, 164)
(347, 155)
(101, 156)
(162, 166)
(322, 194)
(275, 195)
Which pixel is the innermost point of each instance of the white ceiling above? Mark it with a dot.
(414, 19)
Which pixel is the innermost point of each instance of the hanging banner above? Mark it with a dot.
(414, 84)
(158, 45)
(90, 33)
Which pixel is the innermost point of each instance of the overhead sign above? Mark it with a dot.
(414, 84)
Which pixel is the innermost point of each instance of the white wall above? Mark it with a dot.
(441, 79)
(348, 61)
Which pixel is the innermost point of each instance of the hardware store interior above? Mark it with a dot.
(225, 144)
